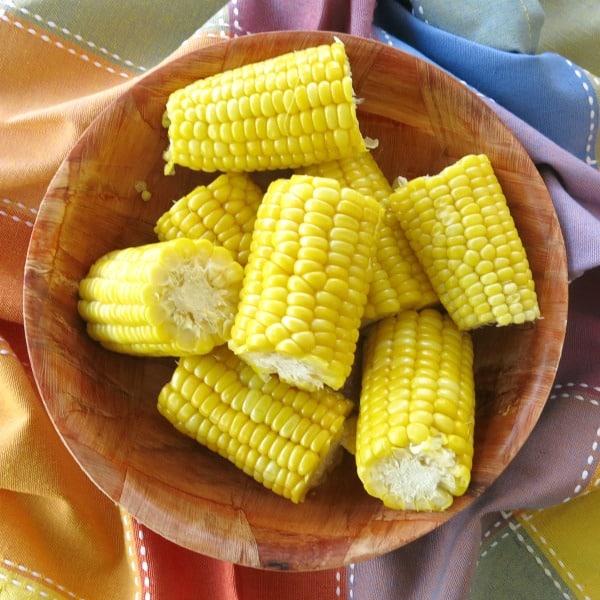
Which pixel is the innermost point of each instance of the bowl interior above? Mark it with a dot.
(103, 405)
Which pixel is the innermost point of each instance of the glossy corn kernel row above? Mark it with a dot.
(306, 281)
(414, 440)
(222, 212)
(285, 438)
(162, 299)
(460, 227)
(357, 171)
(399, 281)
(288, 111)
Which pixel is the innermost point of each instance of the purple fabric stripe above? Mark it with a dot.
(574, 188)
(348, 16)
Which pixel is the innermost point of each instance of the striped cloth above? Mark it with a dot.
(533, 534)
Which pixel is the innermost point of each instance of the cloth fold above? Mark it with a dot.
(60, 537)
(515, 28)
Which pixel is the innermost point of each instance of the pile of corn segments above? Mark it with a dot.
(266, 297)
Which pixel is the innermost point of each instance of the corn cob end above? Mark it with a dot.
(306, 282)
(421, 477)
(414, 434)
(167, 298)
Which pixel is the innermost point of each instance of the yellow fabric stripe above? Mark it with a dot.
(561, 532)
(131, 551)
(18, 582)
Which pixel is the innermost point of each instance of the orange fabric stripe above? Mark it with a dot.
(38, 125)
(58, 519)
(16, 581)
(75, 72)
(14, 233)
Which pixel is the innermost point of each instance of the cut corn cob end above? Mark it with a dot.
(286, 439)
(460, 227)
(161, 299)
(222, 212)
(414, 441)
(306, 281)
(281, 113)
(421, 477)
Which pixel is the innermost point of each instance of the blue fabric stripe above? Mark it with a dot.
(545, 90)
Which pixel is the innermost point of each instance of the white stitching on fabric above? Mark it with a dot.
(130, 549)
(421, 11)
(495, 525)
(338, 584)
(493, 545)
(528, 517)
(557, 584)
(36, 575)
(570, 393)
(219, 22)
(506, 515)
(351, 580)
(61, 46)
(592, 114)
(6, 351)
(20, 206)
(572, 384)
(387, 37)
(236, 23)
(585, 473)
(16, 219)
(144, 564)
(530, 40)
(76, 36)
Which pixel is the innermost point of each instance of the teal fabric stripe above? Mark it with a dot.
(526, 573)
(135, 35)
(514, 28)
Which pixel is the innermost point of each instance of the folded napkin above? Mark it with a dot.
(533, 534)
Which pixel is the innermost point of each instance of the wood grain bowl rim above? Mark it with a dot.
(256, 547)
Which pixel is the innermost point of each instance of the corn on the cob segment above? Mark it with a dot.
(292, 110)
(460, 227)
(161, 299)
(348, 440)
(222, 211)
(357, 171)
(405, 282)
(285, 438)
(414, 443)
(399, 281)
(306, 282)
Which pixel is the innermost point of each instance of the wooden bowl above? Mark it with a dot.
(104, 405)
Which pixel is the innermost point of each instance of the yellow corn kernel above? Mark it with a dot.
(349, 436)
(399, 281)
(284, 112)
(285, 438)
(414, 435)
(222, 211)
(306, 281)
(357, 171)
(167, 298)
(459, 226)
